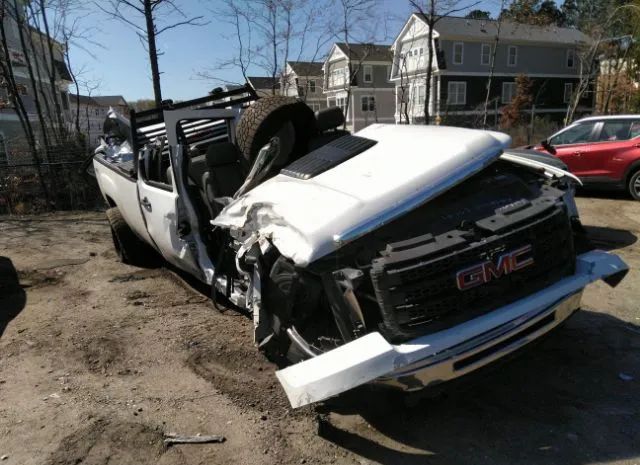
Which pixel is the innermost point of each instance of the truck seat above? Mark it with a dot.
(197, 167)
(328, 122)
(224, 174)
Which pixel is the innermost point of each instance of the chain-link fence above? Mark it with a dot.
(54, 179)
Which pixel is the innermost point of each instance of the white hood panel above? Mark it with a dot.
(308, 219)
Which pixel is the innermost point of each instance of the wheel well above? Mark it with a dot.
(110, 201)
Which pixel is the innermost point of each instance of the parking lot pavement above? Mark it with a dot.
(98, 360)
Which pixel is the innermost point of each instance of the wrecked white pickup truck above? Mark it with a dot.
(400, 255)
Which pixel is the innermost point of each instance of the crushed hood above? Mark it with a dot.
(408, 166)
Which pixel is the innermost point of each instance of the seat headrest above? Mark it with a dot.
(224, 153)
(329, 118)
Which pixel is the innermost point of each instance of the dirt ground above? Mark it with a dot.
(98, 360)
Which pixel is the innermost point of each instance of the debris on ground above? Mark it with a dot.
(171, 439)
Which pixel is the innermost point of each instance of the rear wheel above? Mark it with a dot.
(633, 185)
(130, 249)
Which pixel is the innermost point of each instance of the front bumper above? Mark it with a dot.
(449, 353)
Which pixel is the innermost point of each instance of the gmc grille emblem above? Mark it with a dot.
(484, 272)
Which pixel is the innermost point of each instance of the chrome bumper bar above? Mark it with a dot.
(449, 353)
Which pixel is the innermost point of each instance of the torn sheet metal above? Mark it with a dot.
(308, 219)
(371, 357)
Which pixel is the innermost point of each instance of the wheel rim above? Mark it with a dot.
(636, 186)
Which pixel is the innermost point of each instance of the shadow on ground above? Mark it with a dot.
(572, 399)
(12, 296)
(604, 193)
(610, 238)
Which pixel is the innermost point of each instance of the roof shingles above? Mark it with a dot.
(509, 30)
(366, 52)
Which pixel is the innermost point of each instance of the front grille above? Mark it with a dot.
(417, 291)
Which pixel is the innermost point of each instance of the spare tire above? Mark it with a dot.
(270, 115)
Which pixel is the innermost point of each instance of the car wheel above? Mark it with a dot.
(633, 186)
(274, 115)
(130, 249)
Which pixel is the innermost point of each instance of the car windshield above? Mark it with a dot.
(574, 135)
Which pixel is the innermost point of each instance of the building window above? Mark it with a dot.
(312, 86)
(485, 54)
(4, 157)
(337, 77)
(419, 95)
(64, 98)
(571, 58)
(368, 103)
(568, 92)
(508, 91)
(368, 73)
(457, 93)
(300, 91)
(342, 103)
(314, 106)
(458, 53)
(512, 55)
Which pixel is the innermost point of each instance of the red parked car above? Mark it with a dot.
(601, 151)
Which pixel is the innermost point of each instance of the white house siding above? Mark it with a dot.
(308, 88)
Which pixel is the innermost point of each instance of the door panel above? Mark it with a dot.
(158, 202)
(573, 146)
(610, 150)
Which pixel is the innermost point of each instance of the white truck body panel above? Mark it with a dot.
(308, 219)
(117, 188)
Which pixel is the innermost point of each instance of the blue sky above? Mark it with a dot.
(122, 65)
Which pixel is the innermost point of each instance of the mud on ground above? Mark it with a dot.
(98, 360)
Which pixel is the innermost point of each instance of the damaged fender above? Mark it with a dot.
(307, 219)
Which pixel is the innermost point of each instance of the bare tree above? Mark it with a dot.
(353, 14)
(588, 54)
(149, 19)
(492, 63)
(9, 13)
(433, 11)
(268, 33)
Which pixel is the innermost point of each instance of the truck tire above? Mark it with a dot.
(130, 249)
(633, 185)
(262, 120)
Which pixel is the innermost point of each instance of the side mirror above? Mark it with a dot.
(548, 147)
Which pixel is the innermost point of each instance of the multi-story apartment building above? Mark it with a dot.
(464, 52)
(13, 148)
(356, 78)
(304, 79)
(92, 113)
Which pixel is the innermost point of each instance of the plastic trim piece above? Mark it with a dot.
(328, 156)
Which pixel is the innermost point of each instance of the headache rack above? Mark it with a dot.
(147, 125)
